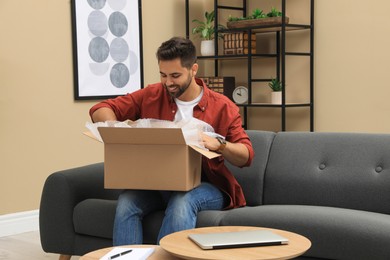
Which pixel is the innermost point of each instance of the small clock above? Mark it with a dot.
(240, 95)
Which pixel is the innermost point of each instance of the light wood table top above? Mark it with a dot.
(158, 253)
(181, 246)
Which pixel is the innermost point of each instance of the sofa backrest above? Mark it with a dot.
(348, 170)
(251, 178)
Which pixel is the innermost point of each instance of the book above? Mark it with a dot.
(238, 43)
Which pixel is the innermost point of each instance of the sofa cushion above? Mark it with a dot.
(343, 170)
(95, 217)
(210, 218)
(251, 178)
(335, 233)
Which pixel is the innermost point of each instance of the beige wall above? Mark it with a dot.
(41, 124)
(352, 66)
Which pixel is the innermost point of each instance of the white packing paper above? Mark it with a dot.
(192, 129)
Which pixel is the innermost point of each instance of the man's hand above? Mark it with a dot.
(103, 114)
(236, 153)
(210, 143)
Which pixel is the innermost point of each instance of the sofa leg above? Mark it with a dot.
(65, 257)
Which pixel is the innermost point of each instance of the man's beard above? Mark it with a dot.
(180, 88)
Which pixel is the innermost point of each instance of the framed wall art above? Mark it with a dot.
(107, 48)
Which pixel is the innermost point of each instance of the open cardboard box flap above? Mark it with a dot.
(152, 136)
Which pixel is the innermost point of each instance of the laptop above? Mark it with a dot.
(237, 239)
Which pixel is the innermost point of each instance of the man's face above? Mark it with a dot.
(175, 78)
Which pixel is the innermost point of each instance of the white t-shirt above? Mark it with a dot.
(185, 109)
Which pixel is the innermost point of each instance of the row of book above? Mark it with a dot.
(214, 83)
(238, 43)
(223, 85)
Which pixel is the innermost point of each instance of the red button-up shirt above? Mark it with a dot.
(214, 109)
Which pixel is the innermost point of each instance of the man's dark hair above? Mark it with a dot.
(178, 47)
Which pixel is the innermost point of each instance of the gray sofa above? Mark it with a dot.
(333, 188)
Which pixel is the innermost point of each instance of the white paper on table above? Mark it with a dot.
(135, 254)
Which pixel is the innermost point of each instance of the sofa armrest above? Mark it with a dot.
(62, 191)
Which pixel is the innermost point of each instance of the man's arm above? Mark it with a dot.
(236, 153)
(103, 114)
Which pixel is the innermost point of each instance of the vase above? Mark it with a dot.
(207, 48)
(276, 97)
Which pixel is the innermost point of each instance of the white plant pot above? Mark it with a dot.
(207, 48)
(276, 97)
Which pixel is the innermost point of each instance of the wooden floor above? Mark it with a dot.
(25, 246)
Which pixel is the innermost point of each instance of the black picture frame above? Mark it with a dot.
(107, 48)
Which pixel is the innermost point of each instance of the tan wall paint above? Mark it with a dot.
(41, 124)
(352, 66)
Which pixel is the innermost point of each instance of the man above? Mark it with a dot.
(180, 96)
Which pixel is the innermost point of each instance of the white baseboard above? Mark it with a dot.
(17, 223)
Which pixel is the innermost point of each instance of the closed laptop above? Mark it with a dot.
(247, 238)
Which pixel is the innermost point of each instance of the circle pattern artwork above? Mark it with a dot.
(97, 4)
(98, 49)
(118, 24)
(119, 50)
(133, 62)
(97, 23)
(119, 75)
(109, 51)
(117, 5)
(99, 69)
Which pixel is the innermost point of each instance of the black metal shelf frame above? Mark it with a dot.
(280, 32)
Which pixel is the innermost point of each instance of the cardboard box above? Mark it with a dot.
(150, 159)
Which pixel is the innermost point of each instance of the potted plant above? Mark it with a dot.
(274, 13)
(206, 31)
(276, 94)
(258, 17)
(256, 14)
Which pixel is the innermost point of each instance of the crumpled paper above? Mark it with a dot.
(93, 127)
(192, 128)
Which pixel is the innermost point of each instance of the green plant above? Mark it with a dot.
(257, 14)
(233, 19)
(275, 85)
(274, 13)
(206, 29)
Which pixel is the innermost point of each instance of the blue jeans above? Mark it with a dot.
(181, 209)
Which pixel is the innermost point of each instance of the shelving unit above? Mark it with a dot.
(281, 32)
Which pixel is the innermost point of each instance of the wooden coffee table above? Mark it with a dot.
(178, 244)
(158, 253)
